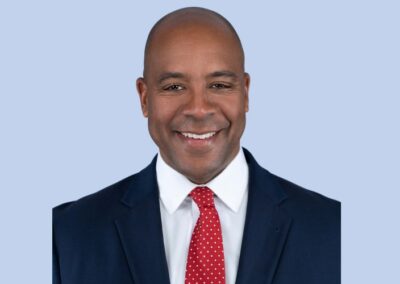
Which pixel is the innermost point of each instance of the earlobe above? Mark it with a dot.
(142, 91)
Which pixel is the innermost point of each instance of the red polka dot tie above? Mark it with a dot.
(205, 262)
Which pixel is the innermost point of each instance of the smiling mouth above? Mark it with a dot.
(196, 136)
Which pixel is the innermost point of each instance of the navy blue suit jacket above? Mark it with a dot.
(291, 235)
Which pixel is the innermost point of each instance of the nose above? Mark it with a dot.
(199, 105)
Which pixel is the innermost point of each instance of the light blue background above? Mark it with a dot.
(324, 113)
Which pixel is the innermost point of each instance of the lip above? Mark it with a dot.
(197, 132)
(198, 143)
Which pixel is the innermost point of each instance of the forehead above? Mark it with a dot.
(198, 47)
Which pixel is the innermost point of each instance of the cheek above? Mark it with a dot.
(161, 113)
(235, 111)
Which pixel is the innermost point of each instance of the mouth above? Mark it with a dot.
(197, 140)
(202, 136)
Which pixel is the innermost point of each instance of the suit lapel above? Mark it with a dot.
(265, 232)
(266, 227)
(140, 230)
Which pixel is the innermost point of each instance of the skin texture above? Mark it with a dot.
(194, 81)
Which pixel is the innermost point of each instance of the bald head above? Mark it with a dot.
(192, 20)
(194, 82)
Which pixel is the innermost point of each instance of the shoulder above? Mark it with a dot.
(91, 207)
(309, 207)
(287, 193)
(108, 202)
(304, 196)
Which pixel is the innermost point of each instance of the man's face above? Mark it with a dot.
(195, 95)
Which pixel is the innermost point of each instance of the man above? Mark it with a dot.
(203, 211)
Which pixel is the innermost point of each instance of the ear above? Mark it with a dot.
(246, 91)
(141, 88)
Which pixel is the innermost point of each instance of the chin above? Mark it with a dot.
(200, 180)
(203, 174)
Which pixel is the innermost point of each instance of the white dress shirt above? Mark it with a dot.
(179, 214)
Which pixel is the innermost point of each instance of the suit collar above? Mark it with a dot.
(140, 229)
(266, 227)
(261, 179)
(142, 185)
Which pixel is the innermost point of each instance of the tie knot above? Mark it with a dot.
(203, 196)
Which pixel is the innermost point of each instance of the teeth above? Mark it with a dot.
(198, 136)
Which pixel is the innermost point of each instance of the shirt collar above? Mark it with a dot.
(230, 185)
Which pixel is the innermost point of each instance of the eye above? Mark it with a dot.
(173, 87)
(220, 86)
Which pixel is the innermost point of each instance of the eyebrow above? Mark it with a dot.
(177, 75)
(223, 73)
(170, 75)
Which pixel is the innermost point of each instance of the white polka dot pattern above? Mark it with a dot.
(205, 262)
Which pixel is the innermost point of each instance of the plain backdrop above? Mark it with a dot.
(324, 113)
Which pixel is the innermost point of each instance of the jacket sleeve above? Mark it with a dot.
(56, 263)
